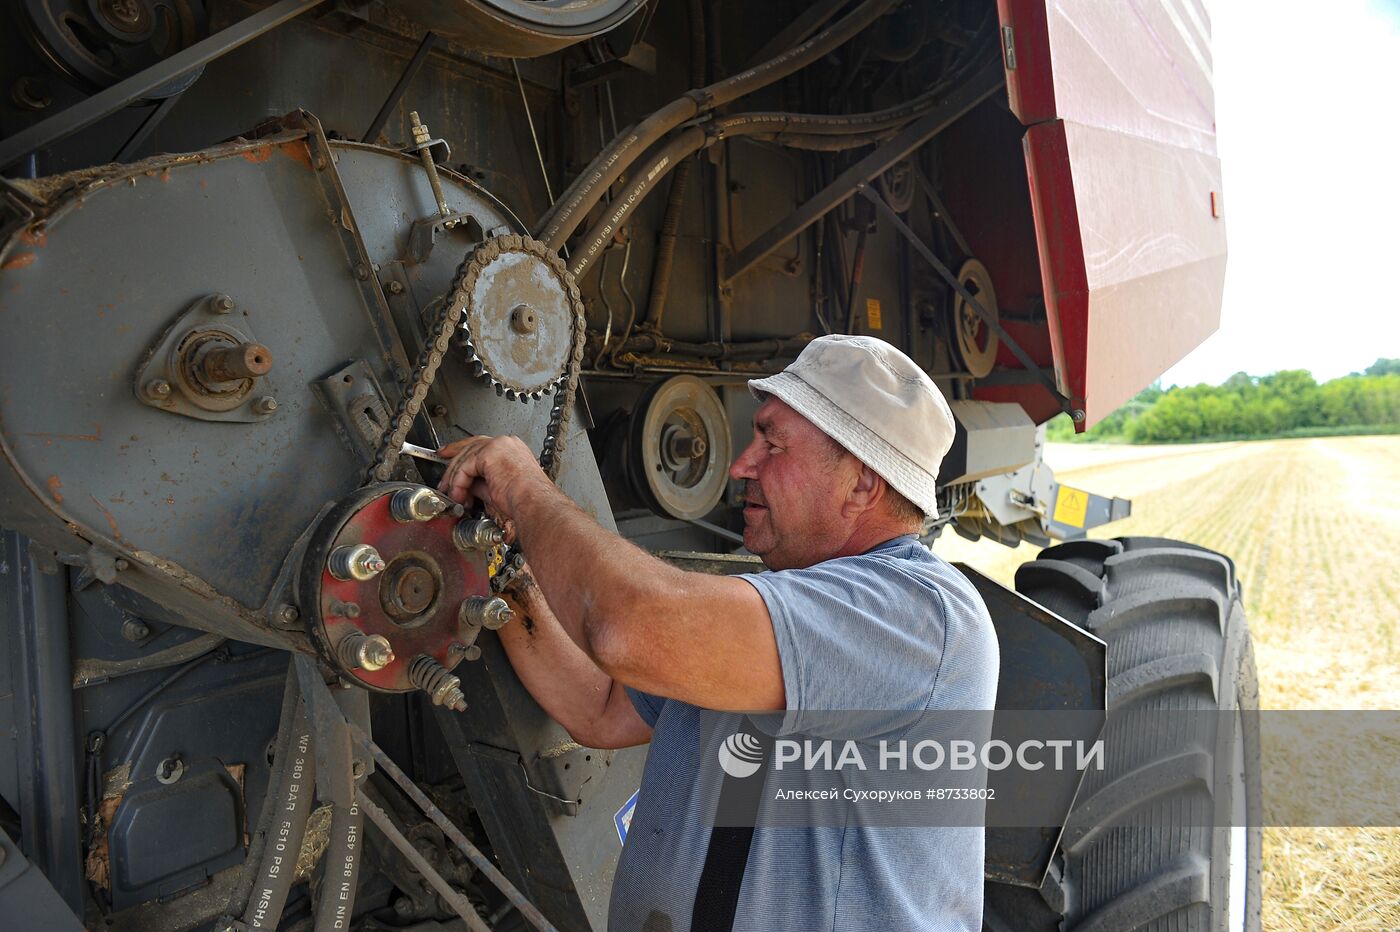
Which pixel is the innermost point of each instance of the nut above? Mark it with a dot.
(223, 304)
(420, 504)
(135, 630)
(358, 562)
(365, 652)
(157, 389)
(489, 612)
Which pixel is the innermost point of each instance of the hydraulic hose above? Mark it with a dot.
(340, 870)
(588, 188)
(282, 843)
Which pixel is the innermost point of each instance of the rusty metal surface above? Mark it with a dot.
(88, 463)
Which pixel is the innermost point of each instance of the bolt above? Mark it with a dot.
(523, 319)
(472, 652)
(135, 631)
(438, 410)
(265, 405)
(477, 534)
(395, 287)
(420, 504)
(170, 770)
(369, 652)
(422, 141)
(362, 272)
(121, 564)
(432, 677)
(157, 389)
(233, 363)
(288, 614)
(1077, 415)
(319, 163)
(489, 612)
(357, 769)
(359, 562)
(223, 304)
(350, 609)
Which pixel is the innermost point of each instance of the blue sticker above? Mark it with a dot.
(622, 819)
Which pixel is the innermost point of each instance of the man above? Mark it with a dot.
(621, 648)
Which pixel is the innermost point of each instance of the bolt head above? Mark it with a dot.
(158, 389)
(362, 272)
(265, 405)
(135, 630)
(395, 287)
(351, 609)
(288, 614)
(223, 304)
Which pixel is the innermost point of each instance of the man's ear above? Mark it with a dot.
(867, 493)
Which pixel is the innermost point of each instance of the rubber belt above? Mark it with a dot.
(722, 877)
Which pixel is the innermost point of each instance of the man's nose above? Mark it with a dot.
(742, 467)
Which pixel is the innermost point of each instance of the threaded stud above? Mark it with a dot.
(432, 677)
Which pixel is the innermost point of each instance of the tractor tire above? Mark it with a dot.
(1172, 617)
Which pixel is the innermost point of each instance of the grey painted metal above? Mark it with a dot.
(27, 899)
(35, 610)
(991, 438)
(977, 89)
(1047, 663)
(62, 125)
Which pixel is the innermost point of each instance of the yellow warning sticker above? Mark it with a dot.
(872, 313)
(1070, 506)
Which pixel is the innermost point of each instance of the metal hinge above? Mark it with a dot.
(1008, 45)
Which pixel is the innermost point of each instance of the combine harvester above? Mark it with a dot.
(249, 251)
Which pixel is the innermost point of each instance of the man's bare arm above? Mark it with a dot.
(706, 640)
(593, 707)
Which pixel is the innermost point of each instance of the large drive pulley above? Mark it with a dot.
(396, 588)
(521, 28)
(679, 448)
(977, 342)
(97, 43)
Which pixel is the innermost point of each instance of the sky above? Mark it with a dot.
(1308, 127)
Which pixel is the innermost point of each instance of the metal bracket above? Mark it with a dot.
(422, 235)
(165, 378)
(357, 405)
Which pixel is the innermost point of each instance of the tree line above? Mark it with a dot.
(1290, 403)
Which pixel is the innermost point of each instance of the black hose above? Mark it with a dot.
(286, 724)
(340, 870)
(588, 188)
(283, 842)
(681, 146)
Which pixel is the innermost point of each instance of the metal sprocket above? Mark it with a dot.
(520, 313)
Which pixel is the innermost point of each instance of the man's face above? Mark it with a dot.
(796, 483)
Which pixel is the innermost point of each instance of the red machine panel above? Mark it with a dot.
(1124, 184)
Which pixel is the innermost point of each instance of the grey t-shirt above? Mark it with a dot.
(893, 628)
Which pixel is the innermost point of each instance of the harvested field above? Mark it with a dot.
(1312, 525)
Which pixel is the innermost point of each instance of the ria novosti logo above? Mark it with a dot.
(741, 755)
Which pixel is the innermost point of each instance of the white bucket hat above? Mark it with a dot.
(874, 401)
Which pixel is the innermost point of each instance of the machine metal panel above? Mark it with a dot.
(1125, 186)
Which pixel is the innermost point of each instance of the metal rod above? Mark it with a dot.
(147, 127)
(414, 65)
(981, 86)
(715, 529)
(459, 903)
(539, 153)
(479, 860)
(988, 317)
(81, 115)
(940, 211)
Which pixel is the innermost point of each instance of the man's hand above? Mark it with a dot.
(499, 472)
